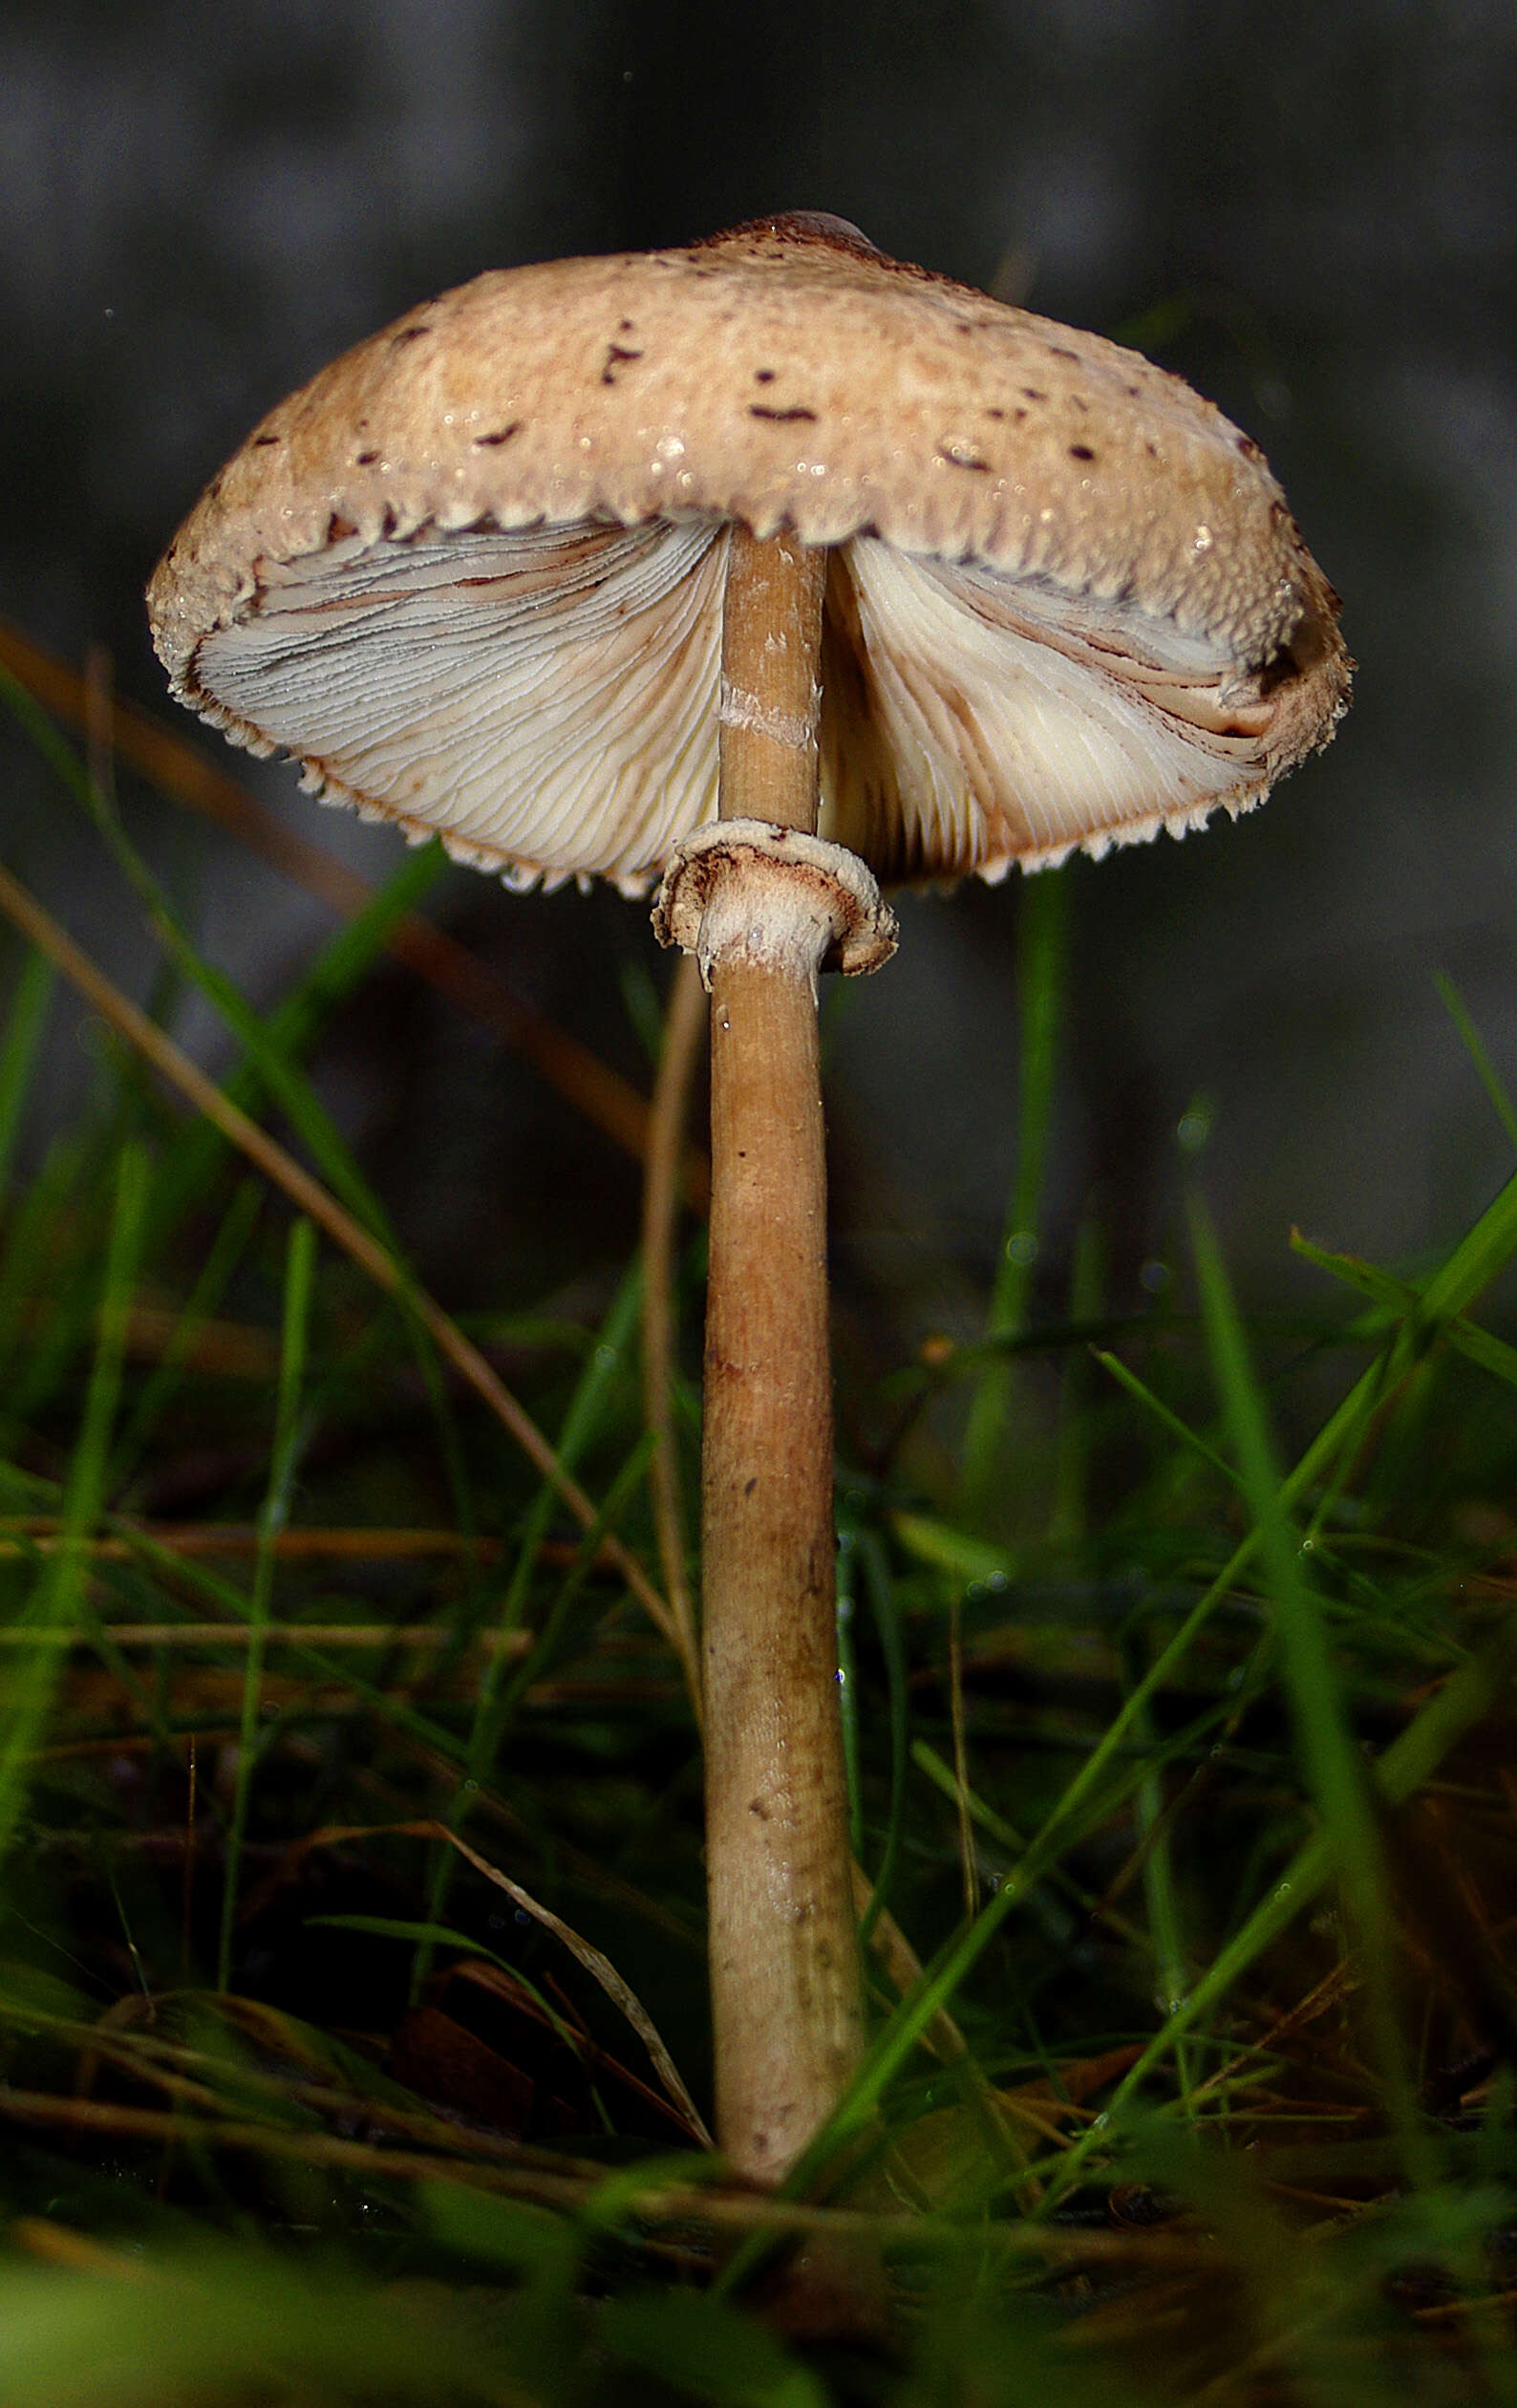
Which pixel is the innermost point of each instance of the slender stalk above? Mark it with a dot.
(786, 1983)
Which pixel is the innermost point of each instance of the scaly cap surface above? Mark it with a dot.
(471, 575)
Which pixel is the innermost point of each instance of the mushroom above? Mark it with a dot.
(769, 567)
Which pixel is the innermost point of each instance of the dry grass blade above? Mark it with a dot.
(104, 2117)
(1329, 1992)
(216, 1349)
(902, 1968)
(175, 768)
(600, 1967)
(40, 1534)
(308, 1195)
(528, 2176)
(511, 1643)
(55, 2245)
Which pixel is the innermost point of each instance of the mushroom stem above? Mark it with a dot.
(786, 1992)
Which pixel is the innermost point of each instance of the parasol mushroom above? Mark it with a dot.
(769, 567)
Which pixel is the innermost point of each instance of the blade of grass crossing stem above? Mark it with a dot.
(1042, 929)
(1331, 1759)
(284, 1458)
(25, 1023)
(57, 1600)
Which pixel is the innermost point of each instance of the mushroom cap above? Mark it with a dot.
(471, 575)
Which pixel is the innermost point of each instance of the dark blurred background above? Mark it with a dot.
(1308, 211)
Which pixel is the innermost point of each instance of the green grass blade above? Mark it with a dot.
(1162, 1891)
(1474, 1263)
(225, 2323)
(335, 974)
(1463, 1700)
(1479, 1258)
(1400, 1296)
(222, 1257)
(1334, 1766)
(885, 1607)
(498, 1693)
(58, 1599)
(18, 1053)
(606, 1365)
(35, 1262)
(539, 1658)
(266, 1045)
(1005, 1835)
(959, 1553)
(1412, 1758)
(284, 1081)
(1142, 1394)
(1042, 926)
(284, 1459)
(1474, 1045)
(1072, 1453)
(1330, 1757)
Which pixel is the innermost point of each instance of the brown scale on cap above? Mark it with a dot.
(471, 575)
